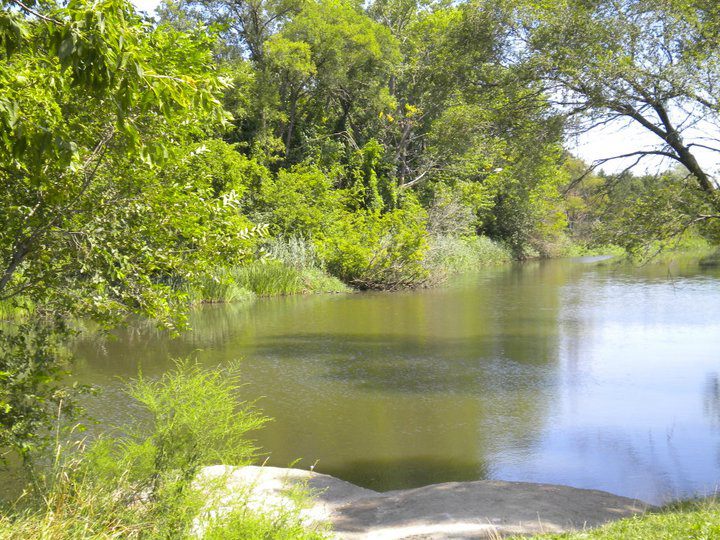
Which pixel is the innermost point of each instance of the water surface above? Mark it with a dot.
(578, 372)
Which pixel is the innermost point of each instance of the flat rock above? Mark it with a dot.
(481, 509)
(454, 510)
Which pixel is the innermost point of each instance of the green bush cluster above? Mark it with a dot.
(372, 250)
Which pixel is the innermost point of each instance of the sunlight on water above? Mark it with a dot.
(574, 372)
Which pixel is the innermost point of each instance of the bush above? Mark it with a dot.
(142, 482)
(371, 250)
(297, 202)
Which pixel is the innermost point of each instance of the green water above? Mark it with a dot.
(575, 372)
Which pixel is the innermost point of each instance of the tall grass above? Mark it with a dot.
(292, 266)
(218, 287)
(449, 254)
(269, 278)
(294, 252)
(144, 482)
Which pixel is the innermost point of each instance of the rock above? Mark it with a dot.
(268, 489)
(481, 509)
(455, 510)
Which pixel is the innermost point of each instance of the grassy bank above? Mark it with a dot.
(696, 520)
(289, 266)
(142, 479)
(292, 266)
(449, 254)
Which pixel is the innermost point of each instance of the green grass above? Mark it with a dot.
(274, 278)
(219, 287)
(450, 254)
(574, 249)
(244, 525)
(143, 481)
(692, 520)
(262, 278)
(686, 247)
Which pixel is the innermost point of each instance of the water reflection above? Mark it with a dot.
(582, 373)
(408, 471)
(712, 399)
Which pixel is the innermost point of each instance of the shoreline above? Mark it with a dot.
(475, 509)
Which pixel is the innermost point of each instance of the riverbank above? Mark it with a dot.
(293, 266)
(697, 519)
(478, 509)
(481, 509)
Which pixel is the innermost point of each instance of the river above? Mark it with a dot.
(579, 372)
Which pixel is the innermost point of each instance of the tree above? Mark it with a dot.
(90, 98)
(653, 63)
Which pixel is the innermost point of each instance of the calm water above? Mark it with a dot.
(572, 372)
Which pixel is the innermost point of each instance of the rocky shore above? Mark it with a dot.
(453, 510)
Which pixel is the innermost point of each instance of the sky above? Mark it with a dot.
(146, 5)
(612, 140)
(626, 137)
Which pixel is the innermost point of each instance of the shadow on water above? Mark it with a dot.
(406, 472)
(595, 375)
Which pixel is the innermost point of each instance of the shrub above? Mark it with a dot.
(297, 202)
(142, 482)
(371, 250)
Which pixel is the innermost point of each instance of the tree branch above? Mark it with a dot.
(35, 13)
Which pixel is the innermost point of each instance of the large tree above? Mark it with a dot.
(653, 63)
(91, 97)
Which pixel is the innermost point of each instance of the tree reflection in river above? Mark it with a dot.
(552, 371)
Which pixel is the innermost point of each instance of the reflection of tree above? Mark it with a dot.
(711, 404)
(401, 389)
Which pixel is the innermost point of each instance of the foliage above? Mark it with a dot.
(92, 100)
(642, 214)
(31, 354)
(449, 254)
(126, 187)
(371, 250)
(88, 93)
(246, 525)
(641, 61)
(143, 481)
(298, 202)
